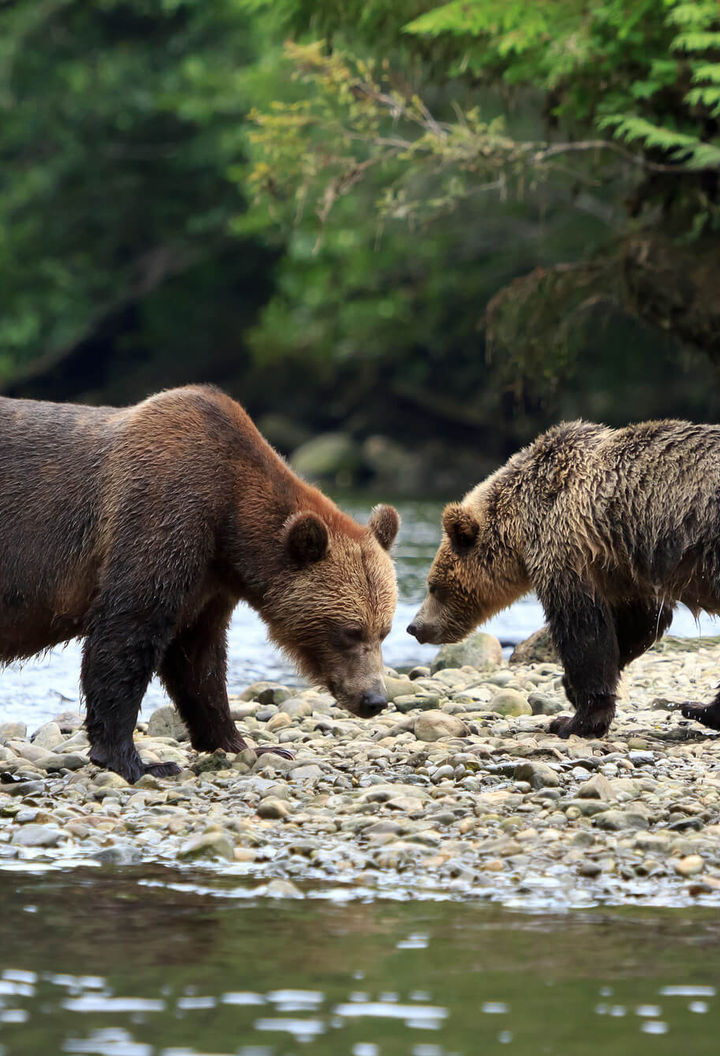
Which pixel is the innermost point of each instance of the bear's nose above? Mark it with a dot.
(371, 703)
(416, 632)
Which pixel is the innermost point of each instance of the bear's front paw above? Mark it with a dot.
(560, 726)
(131, 767)
(565, 726)
(707, 714)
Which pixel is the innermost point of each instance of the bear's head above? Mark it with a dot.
(336, 602)
(477, 571)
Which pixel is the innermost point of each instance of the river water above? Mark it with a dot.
(119, 964)
(41, 688)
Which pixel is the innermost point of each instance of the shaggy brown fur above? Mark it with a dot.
(141, 528)
(611, 528)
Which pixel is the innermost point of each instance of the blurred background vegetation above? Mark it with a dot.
(407, 236)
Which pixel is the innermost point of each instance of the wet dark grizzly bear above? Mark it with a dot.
(141, 528)
(611, 528)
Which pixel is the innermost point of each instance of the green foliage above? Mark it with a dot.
(608, 63)
(391, 327)
(351, 120)
(695, 44)
(641, 70)
(391, 168)
(119, 120)
(631, 89)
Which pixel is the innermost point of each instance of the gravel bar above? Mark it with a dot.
(456, 791)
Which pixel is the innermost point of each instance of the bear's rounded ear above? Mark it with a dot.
(384, 523)
(460, 527)
(306, 538)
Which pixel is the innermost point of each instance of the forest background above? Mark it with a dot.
(415, 232)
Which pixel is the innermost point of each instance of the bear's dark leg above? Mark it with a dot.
(157, 558)
(194, 671)
(585, 638)
(638, 626)
(118, 662)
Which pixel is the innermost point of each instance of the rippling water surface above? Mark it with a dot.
(120, 966)
(41, 688)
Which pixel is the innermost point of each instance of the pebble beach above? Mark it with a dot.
(455, 791)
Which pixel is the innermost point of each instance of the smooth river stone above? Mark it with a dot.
(209, 845)
(411, 702)
(165, 722)
(13, 731)
(32, 835)
(437, 725)
(598, 787)
(478, 650)
(538, 775)
(48, 736)
(510, 702)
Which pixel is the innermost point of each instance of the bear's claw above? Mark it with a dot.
(161, 769)
(707, 714)
(271, 749)
(132, 768)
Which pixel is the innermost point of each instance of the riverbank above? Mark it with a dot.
(455, 791)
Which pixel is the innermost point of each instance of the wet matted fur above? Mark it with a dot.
(140, 528)
(611, 528)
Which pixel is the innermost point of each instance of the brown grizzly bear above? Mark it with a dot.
(611, 528)
(141, 528)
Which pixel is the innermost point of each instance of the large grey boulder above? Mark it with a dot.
(479, 650)
(510, 702)
(438, 725)
(330, 457)
(393, 466)
(537, 649)
(165, 722)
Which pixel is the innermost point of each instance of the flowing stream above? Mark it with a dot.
(165, 967)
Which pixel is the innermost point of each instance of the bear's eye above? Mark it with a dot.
(437, 591)
(348, 634)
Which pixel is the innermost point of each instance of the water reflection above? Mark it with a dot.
(160, 972)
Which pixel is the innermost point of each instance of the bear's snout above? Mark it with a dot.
(370, 704)
(416, 631)
(425, 632)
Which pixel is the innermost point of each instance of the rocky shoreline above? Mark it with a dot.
(455, 791)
